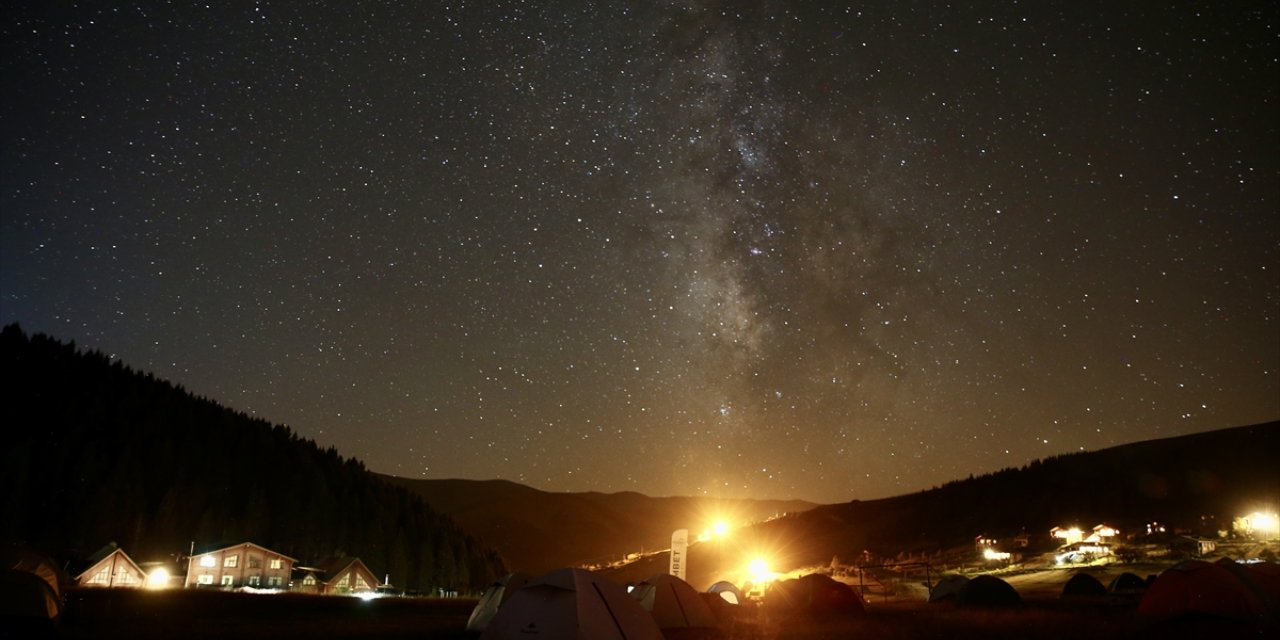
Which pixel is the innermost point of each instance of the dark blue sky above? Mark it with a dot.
(789, 250)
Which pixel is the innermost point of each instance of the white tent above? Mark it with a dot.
(673, 603)
(727, 592)
(493, 599)
(572, 604)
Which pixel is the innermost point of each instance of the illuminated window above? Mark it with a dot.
(274, 581)
(204, 578)
(309, 580)
(101, 577)
(230, 561)
(227, 581)
(255, 581)
(360, 583)
(276, 563)
(208, 561)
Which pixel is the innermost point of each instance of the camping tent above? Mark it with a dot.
(494, 597)
(30, 592)
(572, 604)
(988, 591)
(1221, 590)
(727, 591)
(947, 588)
(1127, 583)
(673, 603)
(812, 594)
(1083, 585)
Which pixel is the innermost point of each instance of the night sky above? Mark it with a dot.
(789, 249)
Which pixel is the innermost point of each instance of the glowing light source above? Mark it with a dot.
(208, 561)
(158, 578)
(758, 571)
(1259, 525)
(992, 554)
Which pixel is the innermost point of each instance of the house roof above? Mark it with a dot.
(87, 573)
(246, 544)
(333, 567)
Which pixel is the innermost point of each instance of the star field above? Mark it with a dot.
(788, 249)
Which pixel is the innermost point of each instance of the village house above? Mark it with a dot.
(338, 576)
(116, 569)
(242, 565)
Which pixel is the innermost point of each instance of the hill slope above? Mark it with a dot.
(537, 531)
(1196, 483)
(96, 452)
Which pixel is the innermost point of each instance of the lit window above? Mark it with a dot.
(275, 581)
(230, 561)
(208, 561)
(204, 578)
(227, 581)
(255, 581)
(276, 563)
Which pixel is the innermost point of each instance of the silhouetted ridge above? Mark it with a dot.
(96, 452)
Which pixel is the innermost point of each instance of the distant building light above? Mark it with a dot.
(992, 554)
(208, 561)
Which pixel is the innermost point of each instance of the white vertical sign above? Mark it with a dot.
(679, 545)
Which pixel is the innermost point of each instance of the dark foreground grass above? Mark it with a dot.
(197, 614)
(108, 614)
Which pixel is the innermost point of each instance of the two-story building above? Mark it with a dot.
(242, 565)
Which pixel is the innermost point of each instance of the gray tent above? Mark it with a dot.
(674, 604)
(572, 604)
(494, 597)
(947, 588)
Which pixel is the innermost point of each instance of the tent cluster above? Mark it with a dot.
(582, 605)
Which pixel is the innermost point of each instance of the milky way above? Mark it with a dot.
(780, 250)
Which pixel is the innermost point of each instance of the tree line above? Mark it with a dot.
(96, 452)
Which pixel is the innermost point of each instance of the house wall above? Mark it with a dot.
(244, 565)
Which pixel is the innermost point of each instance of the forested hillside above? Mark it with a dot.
(95, 452)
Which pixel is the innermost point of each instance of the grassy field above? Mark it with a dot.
(104, 614)
(129, 613)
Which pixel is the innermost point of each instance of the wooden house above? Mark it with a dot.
(338, 576)
(116, 569)
(242, 565)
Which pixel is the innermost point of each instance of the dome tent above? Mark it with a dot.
(1195, 587)
(572, 604)
(673, 603)
(1127, 583)
(1083, 585)
(727, 591)
(813, 594)
(947, 588)
(494, 597)
(988, 592)
(31, 588)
